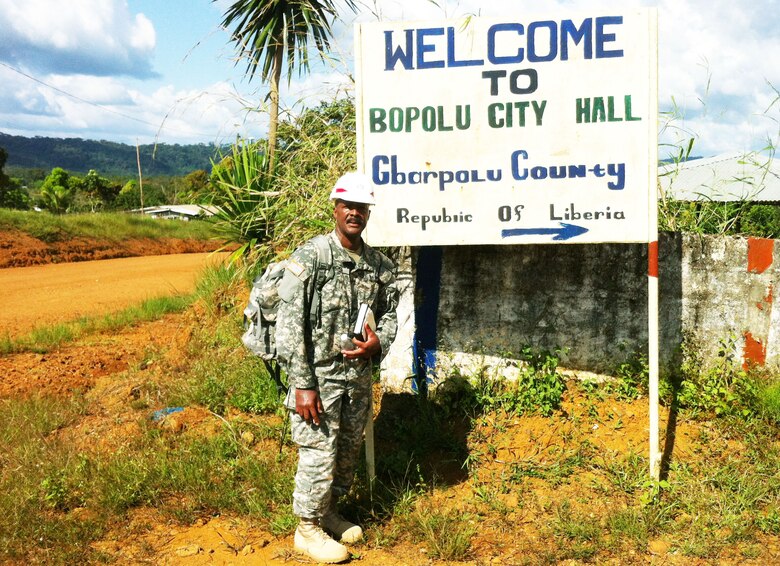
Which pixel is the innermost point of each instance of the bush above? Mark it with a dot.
(725, 389)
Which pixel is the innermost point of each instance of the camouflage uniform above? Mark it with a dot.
(309, 348)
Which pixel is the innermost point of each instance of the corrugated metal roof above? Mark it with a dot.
(182, 209)
(732, 177)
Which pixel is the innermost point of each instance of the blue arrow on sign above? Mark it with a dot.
(565, 232)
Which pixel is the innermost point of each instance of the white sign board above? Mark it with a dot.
(515, 130)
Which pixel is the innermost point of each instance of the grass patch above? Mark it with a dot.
(108, 226)
(64, 500)
(770, 402)
(46, 338)
(230, 381)
(222, 374)
(579, 534)
(30, 488)
(446, 534)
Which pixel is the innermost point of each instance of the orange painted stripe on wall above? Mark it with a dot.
(754, 353)
(760, 254)
(652, 259)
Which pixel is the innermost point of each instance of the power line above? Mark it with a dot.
(96, 105)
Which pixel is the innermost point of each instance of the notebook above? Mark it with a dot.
(365, 316)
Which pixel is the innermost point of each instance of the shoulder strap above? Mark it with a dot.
(377, 261)
(324, 253)
(324, 258)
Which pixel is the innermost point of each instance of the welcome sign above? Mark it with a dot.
(515, 130)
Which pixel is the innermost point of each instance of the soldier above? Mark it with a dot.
(330, 377)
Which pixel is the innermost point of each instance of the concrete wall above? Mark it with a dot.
(467, 306)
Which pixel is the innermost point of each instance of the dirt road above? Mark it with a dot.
(31, 296)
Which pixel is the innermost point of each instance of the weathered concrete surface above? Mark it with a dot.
(727, 300)
(398, 365)
(479, 305)
(589, 300)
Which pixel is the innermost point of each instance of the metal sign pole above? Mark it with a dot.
(652, 357)
(369, 440)
(652, 262)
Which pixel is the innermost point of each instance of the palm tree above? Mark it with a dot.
(266, 30)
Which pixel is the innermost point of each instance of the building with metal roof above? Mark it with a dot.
(731, 177)
(179, 211)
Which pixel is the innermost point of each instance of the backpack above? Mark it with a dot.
(262, 309)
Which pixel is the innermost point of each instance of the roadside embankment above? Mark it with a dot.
(20, 249)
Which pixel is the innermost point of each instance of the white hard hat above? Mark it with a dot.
(353, 187)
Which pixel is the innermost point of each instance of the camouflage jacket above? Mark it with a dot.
(309, 343)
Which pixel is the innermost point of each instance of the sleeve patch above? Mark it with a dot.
(296, 268)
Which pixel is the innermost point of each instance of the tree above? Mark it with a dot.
(129, 196)
(95, 192)
(196, 181)
(57, 191)
(195, 187)
(12, 195)
(4, 179)
(265, 31)
(99, 187)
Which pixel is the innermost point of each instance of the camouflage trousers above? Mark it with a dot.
(328, 452)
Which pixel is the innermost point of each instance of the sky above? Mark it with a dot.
(164, 71)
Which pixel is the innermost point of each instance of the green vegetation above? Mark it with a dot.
(537, 389)
(725, 218)
(65, 499)
(725, 389)
(446, 534)
(111, 227)
(290, 204)
(61, 191)
(25, 183)
(115, 159)
(11, 193)
(737, 218)
(243, 196)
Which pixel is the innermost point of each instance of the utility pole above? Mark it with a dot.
(140, 178)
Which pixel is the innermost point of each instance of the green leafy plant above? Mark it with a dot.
(538, 388)
(631, 378)
(243, 196)
(724, 389)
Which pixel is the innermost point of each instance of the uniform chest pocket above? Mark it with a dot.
(333, 296)
(366, 288)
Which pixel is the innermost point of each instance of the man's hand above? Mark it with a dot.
(308, 405)
(367, 349)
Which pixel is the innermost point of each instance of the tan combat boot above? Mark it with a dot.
(312, 541)
(341, 529)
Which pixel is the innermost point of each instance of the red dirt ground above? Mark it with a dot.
(42, 295)
(18, 249)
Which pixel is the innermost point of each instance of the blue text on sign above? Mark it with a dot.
(538, 42)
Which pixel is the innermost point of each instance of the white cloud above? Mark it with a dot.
(715, 60)
(106, 108)
(94, 37)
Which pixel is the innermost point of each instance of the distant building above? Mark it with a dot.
(184, 212)
(723, 178)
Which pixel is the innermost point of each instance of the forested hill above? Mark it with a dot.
(108, 158)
